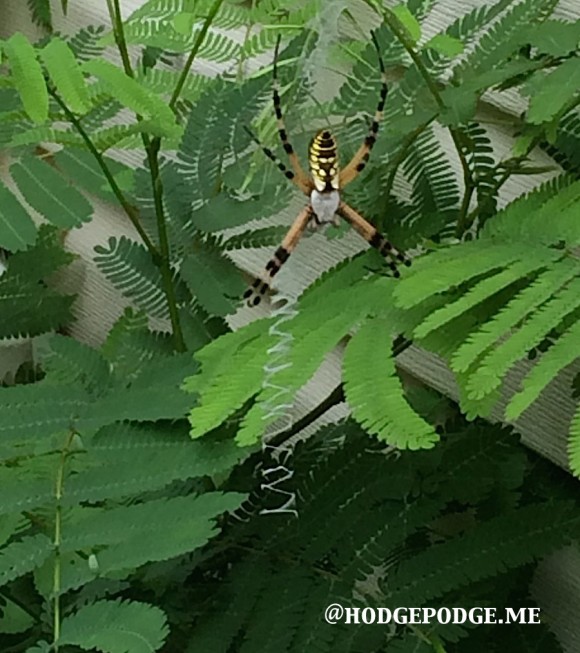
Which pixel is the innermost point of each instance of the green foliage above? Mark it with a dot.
(241, 357)
(506, 35)
(27, 77)
(128, 266)
(41, 13)
(65, 72)
(368, 359)
(85, 43)
(132, 94)
(116, 627)
(71, 444)
(554, 92)
(31, 306)
(211, 277)
(17, 230)
(404, 522)
(119, 465)
(521, 279)
(45, 189)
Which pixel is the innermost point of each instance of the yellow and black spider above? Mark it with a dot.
(323, 187)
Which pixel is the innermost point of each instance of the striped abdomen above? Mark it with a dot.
(323, 160)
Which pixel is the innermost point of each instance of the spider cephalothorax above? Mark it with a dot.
(323, 187)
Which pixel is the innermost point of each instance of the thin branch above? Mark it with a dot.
(129, 209)
(335, 397)
(56, 579)
(394, 25)
(194, 50)
(152, 148)
(165, 268)
(114, 7)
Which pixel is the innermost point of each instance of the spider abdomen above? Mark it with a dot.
(323, 160)
(325, 204)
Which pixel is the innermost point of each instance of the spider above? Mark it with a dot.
(323, 187)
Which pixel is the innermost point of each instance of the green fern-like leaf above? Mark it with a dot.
(498, 543)
(33, 411)
(81, 167)
(556, 37)
(131, 94)
(116, 627)
(23, 556)
(70, 362)
(41, 13)
(163, 82)
(554, 92)
(172, 25)
(189, 519)
(481, 161)
(434, 185)
(214, 126)
(484, 305)
(85, 43)
(64, 71)
(374, 390)
(566, 147)
(34, 135)
(41, 260)
(225, 385)
(312, 341)
(452, 267)
(494, 365)
(128, 266)
(559, 356)
(45, 189)
(574, 443)
(265, 237)
(164, 454)
(543, 287)
(27, 76)
(213, 280)
(17, 230)
(505, 36)
(484, 289)
(258, 43)
(32, 309)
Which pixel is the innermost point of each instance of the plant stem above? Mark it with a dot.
(165, 267)
(56, 578)
(152, 148)
(456, 134)
(194, 50)
(114, 7)
(129, 209)
(335, 397)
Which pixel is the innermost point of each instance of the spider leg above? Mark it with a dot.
(301, 177)
(302, 185)
(359, 160)
(373, 237)
(259, 288)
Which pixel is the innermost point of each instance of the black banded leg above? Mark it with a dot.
(374, 238)
(362, 155)
(386, 249)
(299, 173)
(283, 169)
(261, 286)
